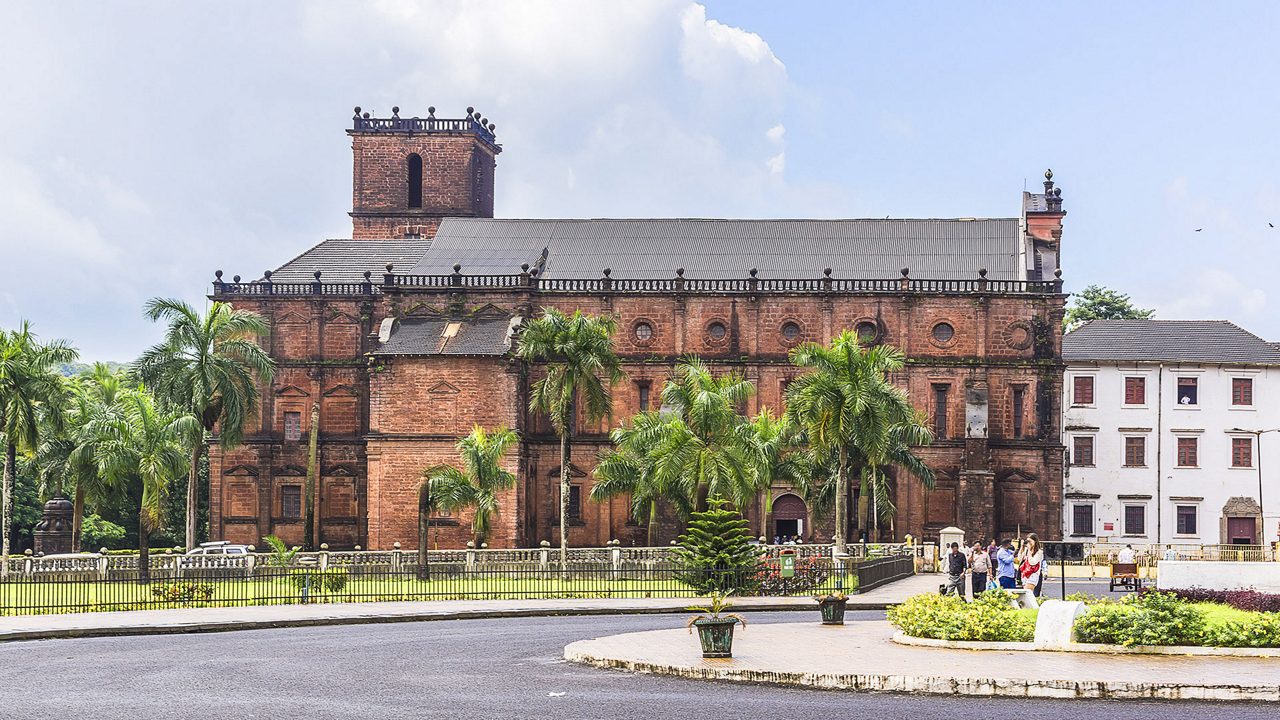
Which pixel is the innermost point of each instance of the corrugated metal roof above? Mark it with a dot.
(347, 260)
(1204, 341)
(428, 336)
(710, 249)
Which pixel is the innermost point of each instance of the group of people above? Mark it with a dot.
(787, 540)
(1014, 566)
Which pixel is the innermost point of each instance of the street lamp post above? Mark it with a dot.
(1262, 515)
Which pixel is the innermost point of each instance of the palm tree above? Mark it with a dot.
(629, 470)
(700, 444)
(145, 447)
(478, 484)
(208, 367)
(66, 461)
(850, 410)
(29, 385)
(773, 445)
(581, 367)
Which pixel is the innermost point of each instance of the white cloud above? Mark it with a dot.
(775, 134)
(1213, 293)
(777, 164)
(717, 54)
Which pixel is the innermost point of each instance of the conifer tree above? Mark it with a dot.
(715, 553)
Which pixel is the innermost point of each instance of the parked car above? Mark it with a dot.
(220, 547)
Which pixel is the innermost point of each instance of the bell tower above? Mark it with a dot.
(409, 173)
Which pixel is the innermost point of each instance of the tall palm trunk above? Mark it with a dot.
(653, 522)
(193, 493)
(424, 533)
(312, 499)
(564, 500)
(77, 517)
(144, 546)
(842, 492)
(10, 466)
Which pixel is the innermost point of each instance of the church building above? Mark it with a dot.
(400, 339)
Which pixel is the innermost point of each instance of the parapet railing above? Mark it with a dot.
(528, 280)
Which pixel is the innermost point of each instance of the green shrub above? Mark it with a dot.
(989, 618)
(1258, 630)
(183, 592)
(333, 580)
(810, 574)
(1152, 618)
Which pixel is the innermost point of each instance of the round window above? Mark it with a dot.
(717, 330)
(644, 331)
(790, 331)
(943, 332)
(867, 332)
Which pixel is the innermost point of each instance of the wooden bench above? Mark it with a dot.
(1125, 575)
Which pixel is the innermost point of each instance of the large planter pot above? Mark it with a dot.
(716, 636)
(832, 611)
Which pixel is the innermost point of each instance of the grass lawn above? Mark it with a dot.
(34, 598)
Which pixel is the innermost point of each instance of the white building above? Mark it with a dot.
(1172, 431)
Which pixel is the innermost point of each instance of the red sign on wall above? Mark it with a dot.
(1108, 526)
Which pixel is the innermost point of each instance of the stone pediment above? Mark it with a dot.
(443, 388)
(292, 391)
(341, 391)
(241, 471)
(291, 318)
(292, 471)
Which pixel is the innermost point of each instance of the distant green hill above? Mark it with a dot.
(82, 368)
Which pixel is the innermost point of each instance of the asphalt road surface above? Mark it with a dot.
(508, 668)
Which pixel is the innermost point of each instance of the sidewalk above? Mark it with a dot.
(149, 622)
(861, 656)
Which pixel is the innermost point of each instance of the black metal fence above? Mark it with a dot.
(271, 585)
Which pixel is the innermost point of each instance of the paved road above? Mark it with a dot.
(449, 669)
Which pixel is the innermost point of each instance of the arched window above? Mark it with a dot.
(415, 181)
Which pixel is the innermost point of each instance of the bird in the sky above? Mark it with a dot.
(1270, 225)
(1199, 229)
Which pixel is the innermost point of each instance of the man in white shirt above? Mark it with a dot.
(1126, 555)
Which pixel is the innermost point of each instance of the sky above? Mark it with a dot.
(145, 145)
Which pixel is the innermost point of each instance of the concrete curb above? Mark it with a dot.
(178, 628)
(1188, 650)
(934, 685)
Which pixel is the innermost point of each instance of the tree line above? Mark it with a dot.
(844, 421)
(129, 435)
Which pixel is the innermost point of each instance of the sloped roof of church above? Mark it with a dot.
(347, 260)
(1199, 341)
(435, 336)
(712, 249)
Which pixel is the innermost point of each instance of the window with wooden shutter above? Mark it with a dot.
(1135, 451)
(1241, 391)
(1242, 452)
(1135, 391)
(1019, 400)
(1188, 391)
(1188, 451)
(1135, 520)
(1082, 451)
(940, 393)
(1082, 519)
(1082, 390)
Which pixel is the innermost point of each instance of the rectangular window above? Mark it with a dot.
(1188, 391)
(293, 426)
(1187, 519)
(1241, 391)
(1188, 452)
(1082, 452)
(1135, 391)
(1242, 452)
(1019, 400)
(1082, 390)
(1082, 519)
(1135, 519)
(291, 501)
(575, 502)
(643, 390)
(1135, 451)
(940, 410)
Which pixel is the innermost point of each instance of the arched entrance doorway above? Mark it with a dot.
(789, 516)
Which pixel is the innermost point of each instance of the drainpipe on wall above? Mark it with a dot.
(1159, 451)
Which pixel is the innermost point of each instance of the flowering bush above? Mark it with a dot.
(1151, 618)
(811, 573)
(989, 618)
(183, 592)
(1258, 630)
(1239, 599)
(332, 580)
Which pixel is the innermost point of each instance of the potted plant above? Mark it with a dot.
(832, 606)
(715, 627)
